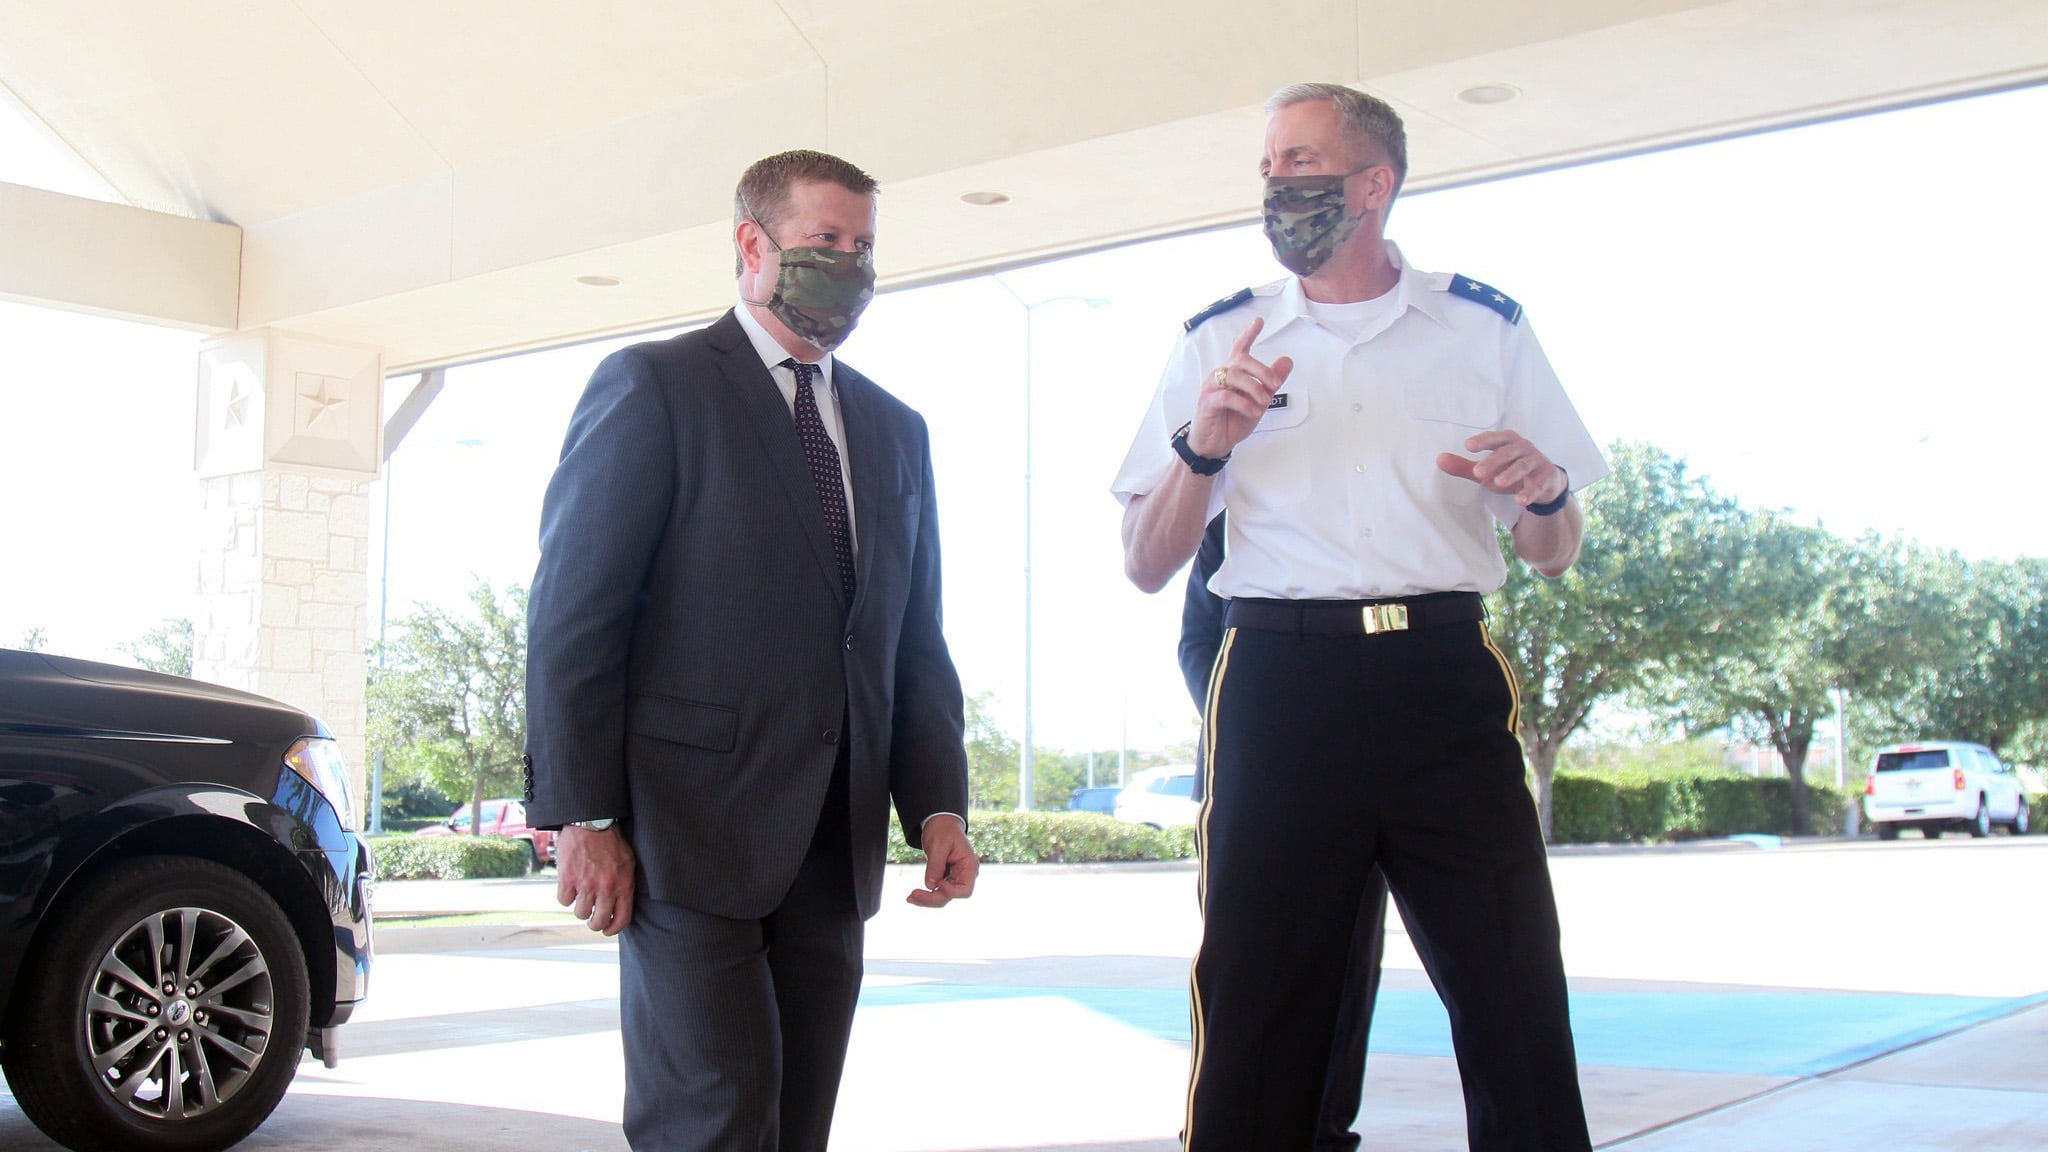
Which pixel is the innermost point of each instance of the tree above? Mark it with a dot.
(33, 640)
(1989, 681)
(1800, 602)
(166, 648)
(448, 705)
(1647, 597)
(991, 757)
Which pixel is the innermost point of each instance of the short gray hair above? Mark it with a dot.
(1370, 125)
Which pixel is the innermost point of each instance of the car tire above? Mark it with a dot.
(214, 930)
(534, 857)
(2022, 819)
(1930, 831)
(1980, 824)
(1887, 831)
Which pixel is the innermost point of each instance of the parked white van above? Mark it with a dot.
(1938, 785)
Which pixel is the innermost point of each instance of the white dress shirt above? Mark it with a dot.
(1336, 493)
(772, 355)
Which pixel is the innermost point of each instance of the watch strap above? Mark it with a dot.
(1197, 463)
(1553, 507)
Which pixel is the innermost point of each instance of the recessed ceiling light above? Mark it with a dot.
(984, 199)
(599, 281)
(1489, 94)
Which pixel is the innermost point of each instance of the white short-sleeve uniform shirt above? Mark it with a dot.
(1336, 494)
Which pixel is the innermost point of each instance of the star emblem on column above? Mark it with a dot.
(321, 403)
(235, 405)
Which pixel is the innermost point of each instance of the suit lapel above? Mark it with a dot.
(769, 415)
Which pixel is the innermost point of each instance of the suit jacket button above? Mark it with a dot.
(849, 643)
(829, 735)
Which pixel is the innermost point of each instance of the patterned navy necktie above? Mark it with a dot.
(825, 475)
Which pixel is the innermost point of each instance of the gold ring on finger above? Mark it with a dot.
(1221, 377)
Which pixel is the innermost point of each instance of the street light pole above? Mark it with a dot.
(1025, 754)
(383, 615)
(392, 439)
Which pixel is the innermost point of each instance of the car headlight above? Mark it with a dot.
(318, 761)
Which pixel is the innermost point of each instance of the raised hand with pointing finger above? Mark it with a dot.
(1235, 397)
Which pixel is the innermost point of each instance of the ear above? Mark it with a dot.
(752, 244)
(1379, 187)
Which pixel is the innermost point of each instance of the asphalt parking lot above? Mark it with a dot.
(1815, 997)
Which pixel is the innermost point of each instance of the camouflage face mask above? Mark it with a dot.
(1305, 219)
(821, 292)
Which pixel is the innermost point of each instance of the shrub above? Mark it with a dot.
(1622, 807)
(1058, 838)
(449, 857)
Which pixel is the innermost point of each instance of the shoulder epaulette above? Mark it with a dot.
(1217, 309)
(1469, 289)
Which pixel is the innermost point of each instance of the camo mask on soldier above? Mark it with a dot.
(820, 292)
(1305, 219)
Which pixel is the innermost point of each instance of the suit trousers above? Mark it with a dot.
(735, 1030)
(1330, 754)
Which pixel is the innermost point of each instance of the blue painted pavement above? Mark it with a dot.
(1766, 1033)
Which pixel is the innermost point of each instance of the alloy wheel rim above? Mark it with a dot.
(179, 1013)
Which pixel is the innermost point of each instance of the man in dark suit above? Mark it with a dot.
(735, 666)
(1201, 637)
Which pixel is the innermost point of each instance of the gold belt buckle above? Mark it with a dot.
(1384, 618)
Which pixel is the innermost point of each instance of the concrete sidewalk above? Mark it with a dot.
(1725, 999)
(1707, 1018)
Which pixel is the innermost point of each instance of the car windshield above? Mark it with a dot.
(1178, 786)
(1909, 761)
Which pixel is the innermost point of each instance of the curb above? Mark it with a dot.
(395, 938)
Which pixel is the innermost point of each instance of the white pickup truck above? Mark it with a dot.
(1938, 785)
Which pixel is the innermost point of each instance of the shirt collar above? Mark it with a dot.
(772, 354)
(1410, 290)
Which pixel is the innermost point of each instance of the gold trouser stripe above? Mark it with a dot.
(1507, 672)
(1195, 1030)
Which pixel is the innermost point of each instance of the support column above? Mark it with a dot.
(287, 445)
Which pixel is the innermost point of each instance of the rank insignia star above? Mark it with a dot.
(1489, 296)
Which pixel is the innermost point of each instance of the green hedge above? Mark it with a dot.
(2037, 820)
(449, 857)
(1058, 838)
(1620, 807)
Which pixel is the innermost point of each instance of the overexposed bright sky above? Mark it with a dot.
(1836, 319)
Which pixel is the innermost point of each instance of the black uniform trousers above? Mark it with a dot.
(1344, 1081)
(1329, 753)
(736, 1030)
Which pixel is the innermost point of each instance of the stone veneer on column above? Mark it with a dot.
(283, 587)
(288, 441)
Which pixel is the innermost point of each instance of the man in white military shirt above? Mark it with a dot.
(1367, 425)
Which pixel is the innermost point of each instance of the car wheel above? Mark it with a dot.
(2021, 819)
(1887, 831)
(170, 1010)
(1980, 825)
(533, 854)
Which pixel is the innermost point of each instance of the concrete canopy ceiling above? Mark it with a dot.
(432, 177)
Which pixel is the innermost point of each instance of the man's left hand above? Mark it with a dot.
(1511, 466)
(950, 864)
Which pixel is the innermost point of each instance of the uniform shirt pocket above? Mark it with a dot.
(1442, 415)
(1271, 465)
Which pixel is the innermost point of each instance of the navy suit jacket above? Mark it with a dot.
(693, 667)
(1201, 616)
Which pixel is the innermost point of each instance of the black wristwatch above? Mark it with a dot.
(1553, 507)
(1201, 465)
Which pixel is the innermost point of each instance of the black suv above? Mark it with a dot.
(183, 903)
